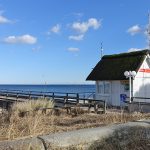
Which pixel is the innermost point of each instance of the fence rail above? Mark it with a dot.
(65, 99)
(138, 102)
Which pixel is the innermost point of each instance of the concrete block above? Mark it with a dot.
(22, 144)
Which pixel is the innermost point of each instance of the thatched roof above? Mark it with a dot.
(112, 67)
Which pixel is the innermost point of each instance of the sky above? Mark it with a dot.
(59, 41)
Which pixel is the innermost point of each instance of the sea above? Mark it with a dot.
(63, 88)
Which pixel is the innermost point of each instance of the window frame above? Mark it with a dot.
(101, 87)
(108, 90)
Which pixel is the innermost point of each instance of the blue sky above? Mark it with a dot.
(58, 41)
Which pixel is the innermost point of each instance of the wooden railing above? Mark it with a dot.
(137, 100)
(60, 99)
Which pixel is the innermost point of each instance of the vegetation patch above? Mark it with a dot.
(35, 122)
(32, 105)
(132, 138)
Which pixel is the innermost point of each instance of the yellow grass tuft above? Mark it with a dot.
(32, 105)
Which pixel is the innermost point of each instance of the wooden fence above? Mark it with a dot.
(64, 100)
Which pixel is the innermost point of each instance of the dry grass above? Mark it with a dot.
(32, 105)
(132, 138)
(33, 124)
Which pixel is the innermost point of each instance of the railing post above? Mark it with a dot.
(104, 107)
(96, 107)
(6, 94)
(84, 98)
(53, 95)
(89, 106)
(66, 97)
(17, 97)
(77, 98)
(29, 95)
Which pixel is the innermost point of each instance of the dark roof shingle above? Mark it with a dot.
(112, 67)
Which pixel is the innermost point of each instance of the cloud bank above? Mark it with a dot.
(134, 49)
(76, 37)
(83, 27)
(134, 30)
(4, 20)
(55, 29)
(23, 39)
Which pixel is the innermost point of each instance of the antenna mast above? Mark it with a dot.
(101, 50)
(148, 31)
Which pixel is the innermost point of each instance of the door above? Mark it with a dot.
(115, 98)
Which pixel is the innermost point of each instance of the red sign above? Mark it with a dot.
(145, 70)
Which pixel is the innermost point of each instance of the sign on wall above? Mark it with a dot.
(145, 70)
(123, 97)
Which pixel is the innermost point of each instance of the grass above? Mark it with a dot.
(32, 105)
(133, 138)
(36, 123)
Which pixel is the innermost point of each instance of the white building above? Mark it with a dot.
(111, 83)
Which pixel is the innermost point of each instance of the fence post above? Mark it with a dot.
(77, 98)
(7, 95)
(104, 107)
(84, 98)
(96, 107)
(89, 105)
(17, 97)
(66, 97)
(53, 95)
(29, 95)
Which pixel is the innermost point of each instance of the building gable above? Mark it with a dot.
(112, 67)
(144, 70)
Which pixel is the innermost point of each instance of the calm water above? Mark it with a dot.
(52, 88)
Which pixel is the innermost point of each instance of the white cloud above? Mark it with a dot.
(4, 20)
(133, 49)
(73, 49)
(24, 39)
(55, 29)
(134, 30)
(83, 27)
(76, 37)
(92, 22)
(80, 27)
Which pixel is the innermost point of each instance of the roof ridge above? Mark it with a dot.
(112, 67)
(127, 54)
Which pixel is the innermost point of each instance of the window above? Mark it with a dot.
(100, 88)
(106, 88)
(126, 87)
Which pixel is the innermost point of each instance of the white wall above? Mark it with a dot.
(141, 83)
(113, 98)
